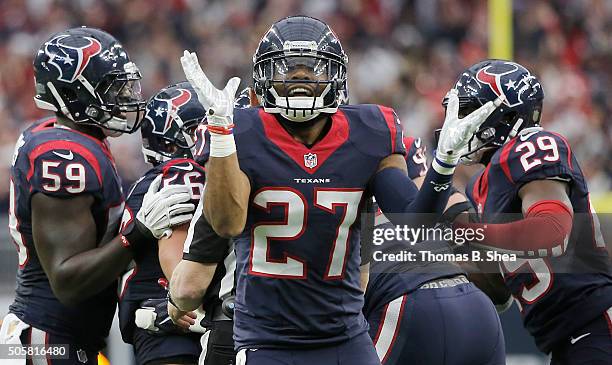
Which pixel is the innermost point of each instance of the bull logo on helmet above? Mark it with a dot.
(160, 112)
(70, 55)
(506, 82)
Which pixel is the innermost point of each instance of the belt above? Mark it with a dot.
(445, 282)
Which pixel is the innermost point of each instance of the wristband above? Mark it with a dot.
(442, 167)
(170, 300)
(139, 236)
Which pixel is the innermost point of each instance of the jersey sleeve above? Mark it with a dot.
(64, 169)
(396, 133)
(203, 245)
(416, 159)
(537, 156)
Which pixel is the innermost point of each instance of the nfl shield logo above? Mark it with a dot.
(310, 160)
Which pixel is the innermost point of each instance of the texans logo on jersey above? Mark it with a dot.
(70, 55)
(499, 79)
(162, 110)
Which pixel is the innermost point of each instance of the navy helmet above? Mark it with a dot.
(85, 75)
(521, 108)
(300, 42)
(243, 100)
(171, 119)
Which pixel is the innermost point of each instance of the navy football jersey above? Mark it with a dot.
(298, 258)
(146, 279)
(62, 163)
(558, 294)
(389, 280)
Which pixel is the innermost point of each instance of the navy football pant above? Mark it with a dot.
(356, 351)
(442, 326)
(75, 354)
(218, 344)
(171, 349)
(591, 345)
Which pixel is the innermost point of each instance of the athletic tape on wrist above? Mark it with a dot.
(222, 145)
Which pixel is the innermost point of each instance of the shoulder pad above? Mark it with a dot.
(64, 168)
(381, 128)
(184, 171)
(535, 155)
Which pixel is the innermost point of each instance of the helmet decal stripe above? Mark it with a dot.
(85, 55)
(70, 61)
(490, 79)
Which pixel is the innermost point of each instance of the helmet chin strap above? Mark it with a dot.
(156, 156)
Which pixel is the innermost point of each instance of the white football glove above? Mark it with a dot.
(218, 103)
(457, 132)
(169, 207)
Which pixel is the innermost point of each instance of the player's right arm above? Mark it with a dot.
(227, 195)
(65, 184)
(228, 188)
(64, 235)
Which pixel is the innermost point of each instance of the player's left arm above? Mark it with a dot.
(392, 187)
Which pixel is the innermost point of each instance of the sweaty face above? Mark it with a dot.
(299, 76)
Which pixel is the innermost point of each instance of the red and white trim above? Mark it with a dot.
(389, 327)
(608, 315)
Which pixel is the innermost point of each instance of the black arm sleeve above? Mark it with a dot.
(367, 229)
(203, 245)
(396, 193)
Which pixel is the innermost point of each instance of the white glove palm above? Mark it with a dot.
(219, 103)
(456, 132)
(169, 207)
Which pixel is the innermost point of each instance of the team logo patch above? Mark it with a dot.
(161, 111)
(499, 79)
(310, 160)
(70, 55)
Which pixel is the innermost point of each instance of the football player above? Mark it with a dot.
(171, 118)
(291, 194)
(422, 311)
(533, 203)
(66, 201)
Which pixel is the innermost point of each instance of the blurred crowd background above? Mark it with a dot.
(404, 54)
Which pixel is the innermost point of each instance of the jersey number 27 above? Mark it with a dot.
(294, 225)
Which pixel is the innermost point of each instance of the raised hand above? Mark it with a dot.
(457, 132)
(219, 103)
